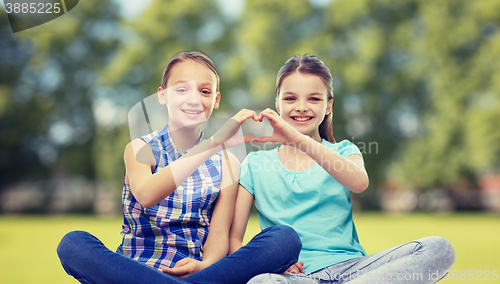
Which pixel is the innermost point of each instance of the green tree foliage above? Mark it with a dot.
(49, 81)
(456, 56)
(14, 119)
(416, 83)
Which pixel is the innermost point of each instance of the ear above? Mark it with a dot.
(329, 107)
(162, 96)
(217, 101)
(277, 105)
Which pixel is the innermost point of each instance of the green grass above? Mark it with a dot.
(28, 243)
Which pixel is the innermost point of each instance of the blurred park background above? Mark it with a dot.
(416, 86)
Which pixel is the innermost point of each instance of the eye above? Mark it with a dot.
(206, 92)
(181, 90)
(289, 99)
(315, 99)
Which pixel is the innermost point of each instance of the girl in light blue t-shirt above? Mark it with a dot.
(305, 183)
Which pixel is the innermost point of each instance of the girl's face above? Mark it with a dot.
(190, 95)
(303, 102)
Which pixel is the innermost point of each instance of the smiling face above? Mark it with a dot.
(190, 94)
(303, 102)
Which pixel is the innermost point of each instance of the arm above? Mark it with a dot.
(149, 189)
(350, 172)
(216, 245)
(244, 201)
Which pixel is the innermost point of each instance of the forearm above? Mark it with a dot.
(242, 210)
(345, 171)
(166, 180)
(214, 250)
(234, 245)
(217, 243)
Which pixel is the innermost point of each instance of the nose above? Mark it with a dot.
(301, 107)
(193, 98)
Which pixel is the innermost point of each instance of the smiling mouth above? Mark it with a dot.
(301, 119)
(192, 111)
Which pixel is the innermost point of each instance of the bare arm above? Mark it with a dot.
(350, 172)
(149, 189)
(244, 201)
(216, 245)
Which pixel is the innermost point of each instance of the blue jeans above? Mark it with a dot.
(86, 258)
(423, 261)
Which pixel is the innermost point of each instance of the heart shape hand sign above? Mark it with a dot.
(283, 132)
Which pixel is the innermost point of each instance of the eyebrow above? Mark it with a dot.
(206, 84)
(182, 82)
(310, 94)
(316, 94)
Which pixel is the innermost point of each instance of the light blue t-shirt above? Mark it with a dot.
(312, 202)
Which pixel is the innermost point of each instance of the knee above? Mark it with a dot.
(442, 249)
(288, 237)
(69, 244)
(261, 278)
(268, 278)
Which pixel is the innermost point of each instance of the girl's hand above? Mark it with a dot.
(228, 133)
(283, 132)
(296, 268)
(185, 267)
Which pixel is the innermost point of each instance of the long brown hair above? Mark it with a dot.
(308, 64)
(197, 56)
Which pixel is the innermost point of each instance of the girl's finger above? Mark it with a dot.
(176, 271)
(182, 262)
(248, 138)
(246, 114)
(292, 270)
(300, 267)
(270, 114)
(270, 111)
(263, 139)
(257, 118)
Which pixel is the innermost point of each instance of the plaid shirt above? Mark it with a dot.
(177, 227)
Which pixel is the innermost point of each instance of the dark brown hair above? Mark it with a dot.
(197, 56)
(308, 64)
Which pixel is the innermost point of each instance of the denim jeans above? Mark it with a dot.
(422, 261)
(86, 258)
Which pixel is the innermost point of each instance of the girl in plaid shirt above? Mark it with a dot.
(178, 198)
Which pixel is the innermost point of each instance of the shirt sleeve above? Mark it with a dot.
(246, 174)
(347, 148)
